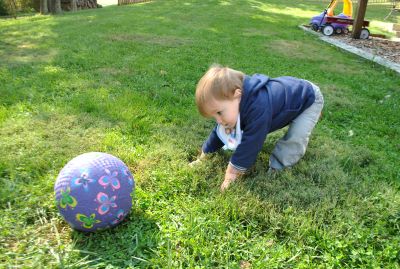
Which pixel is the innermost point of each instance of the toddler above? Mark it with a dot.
(248, 108)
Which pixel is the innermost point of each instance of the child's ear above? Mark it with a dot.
(238, 93)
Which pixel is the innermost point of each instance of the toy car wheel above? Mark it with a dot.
(338, 30)
(328, 30)
(315, 27)
(364, 34)
(345, 31)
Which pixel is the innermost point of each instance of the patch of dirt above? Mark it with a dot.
(384, 48)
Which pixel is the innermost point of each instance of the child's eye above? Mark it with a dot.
(219, 113)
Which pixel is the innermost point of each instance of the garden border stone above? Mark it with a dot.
(357, 51)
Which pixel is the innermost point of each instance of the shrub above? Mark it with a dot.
(3, 8)
(11, 7)
(24, 5)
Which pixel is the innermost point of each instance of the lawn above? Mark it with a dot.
(121, 80)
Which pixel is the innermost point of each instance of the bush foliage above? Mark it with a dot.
(3, 8)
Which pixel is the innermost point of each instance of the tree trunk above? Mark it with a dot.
(358, 22)
(12, 8)
(57, 6)
(73, 6)
(43, 7)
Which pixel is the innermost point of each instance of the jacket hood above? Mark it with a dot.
(251, 85)
(255, 82)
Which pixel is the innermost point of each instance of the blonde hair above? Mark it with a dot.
(218, 83)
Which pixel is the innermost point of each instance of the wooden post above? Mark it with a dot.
(358, 21)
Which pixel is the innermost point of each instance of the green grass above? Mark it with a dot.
(121, 80)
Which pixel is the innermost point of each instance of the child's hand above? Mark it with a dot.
(195, 163)
(198, 161)
(226, 183)
(231, 175)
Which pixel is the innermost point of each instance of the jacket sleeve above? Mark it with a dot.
(254, 134)
(213, 143)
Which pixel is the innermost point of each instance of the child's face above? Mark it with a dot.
(225, 112)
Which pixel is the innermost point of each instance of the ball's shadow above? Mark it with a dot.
(131, 243)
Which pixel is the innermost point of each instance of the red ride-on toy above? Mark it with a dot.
(329, 24)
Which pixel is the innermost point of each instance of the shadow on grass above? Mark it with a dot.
(130, 244)
(321, 179)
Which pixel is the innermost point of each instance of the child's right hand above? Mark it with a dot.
(198, 161)
(195, 163)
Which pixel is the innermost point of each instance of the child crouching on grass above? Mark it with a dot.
(248, 108)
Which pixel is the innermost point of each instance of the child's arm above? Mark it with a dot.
(231, 175)
(212, 144)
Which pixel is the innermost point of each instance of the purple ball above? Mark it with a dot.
(93, 191)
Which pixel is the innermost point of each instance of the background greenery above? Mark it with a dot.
(121, 80)
(3, 8)
(16, 7)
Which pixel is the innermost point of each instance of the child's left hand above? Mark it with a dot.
(231, 175)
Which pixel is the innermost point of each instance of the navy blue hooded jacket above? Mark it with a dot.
(267, 104)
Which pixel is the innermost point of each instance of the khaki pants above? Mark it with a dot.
(292, 146)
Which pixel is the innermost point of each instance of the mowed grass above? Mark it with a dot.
(121, 80)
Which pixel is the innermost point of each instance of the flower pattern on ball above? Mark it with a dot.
(83, 181)
(67, 200)
(105, 202)
(110, 179)
(119, 217)
(128, 175)
(87, 222)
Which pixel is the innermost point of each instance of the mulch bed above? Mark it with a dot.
(384, 48)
